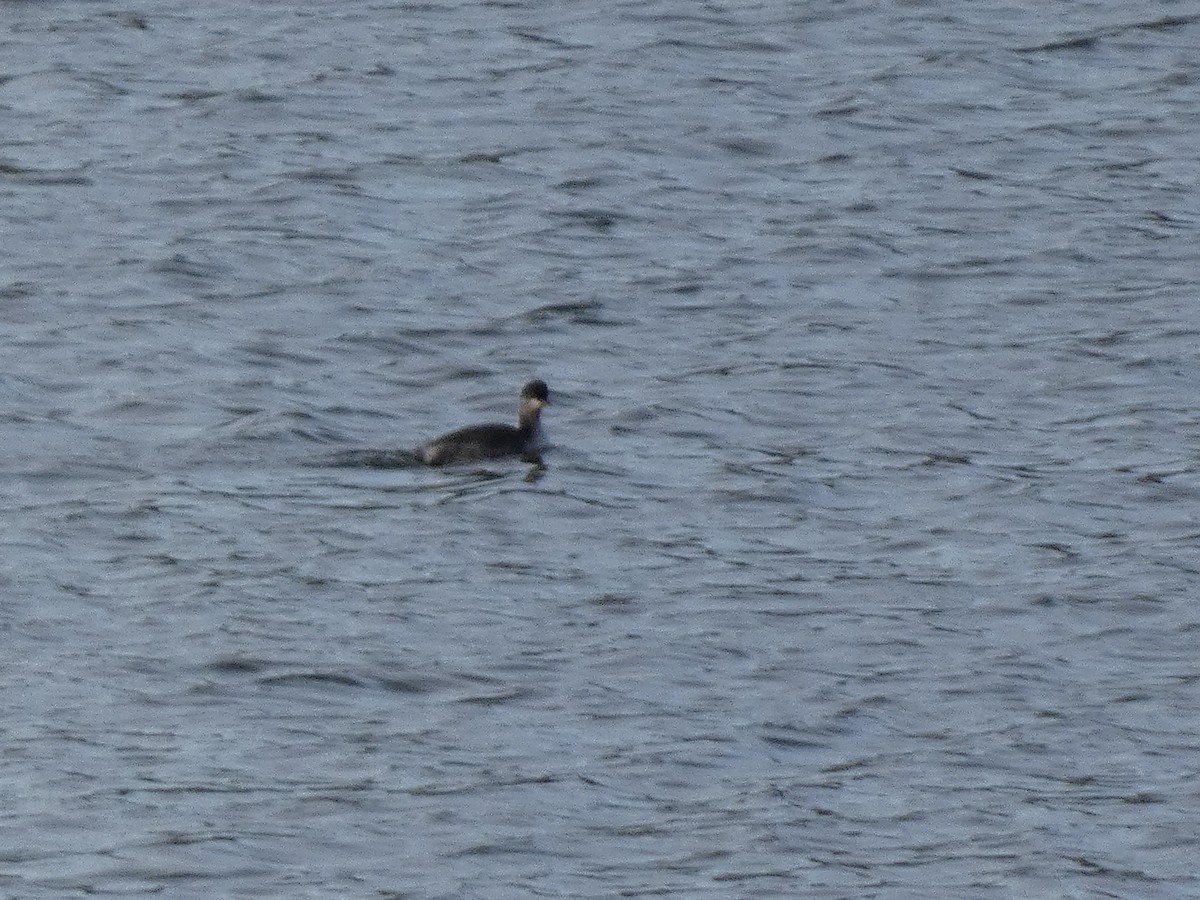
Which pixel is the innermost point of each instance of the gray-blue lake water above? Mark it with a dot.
(864, 563)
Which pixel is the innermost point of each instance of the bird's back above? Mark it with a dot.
(474, 443)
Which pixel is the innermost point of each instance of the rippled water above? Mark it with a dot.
(864, 561)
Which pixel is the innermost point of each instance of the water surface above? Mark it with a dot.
(863, 564)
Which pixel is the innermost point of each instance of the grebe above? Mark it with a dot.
(480, 442)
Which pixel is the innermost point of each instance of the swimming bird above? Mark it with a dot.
(493, 441)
